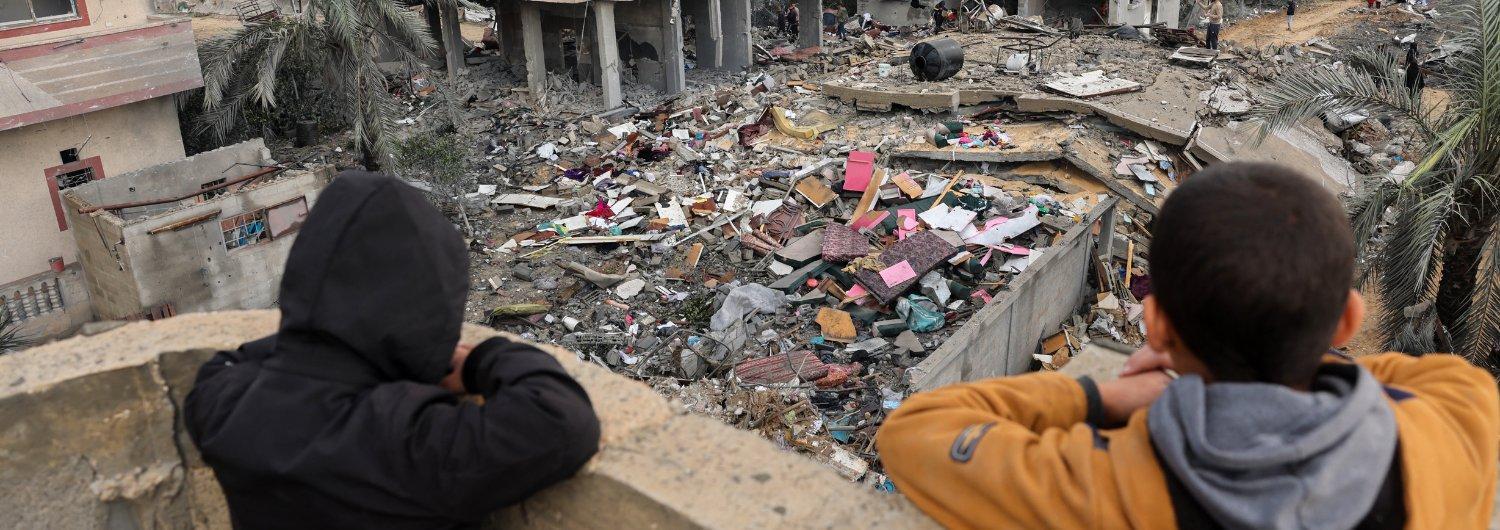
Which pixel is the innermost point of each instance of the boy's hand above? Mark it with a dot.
(454, 381)
(1122, 397)
(1145, 360)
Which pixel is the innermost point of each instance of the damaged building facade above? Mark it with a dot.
(643, 38)
(204, 233)
(86, 92)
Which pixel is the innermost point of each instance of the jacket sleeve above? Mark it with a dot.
(1463, 397)
(1000, 453)
(535, 427)
(1465, 394)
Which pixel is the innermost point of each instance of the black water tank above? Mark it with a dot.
(936, 60)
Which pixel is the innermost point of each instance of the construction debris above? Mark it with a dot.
(779, 248)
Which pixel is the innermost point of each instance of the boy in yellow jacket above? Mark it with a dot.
(1250, 266)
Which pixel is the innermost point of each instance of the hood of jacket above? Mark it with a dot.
(1258, 455)
(374, 286)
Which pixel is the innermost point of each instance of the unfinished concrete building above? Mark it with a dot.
(644, 38)
(205, 233)
(1115, 12)
(86, 92)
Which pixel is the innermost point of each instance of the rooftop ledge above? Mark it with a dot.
(90, 438)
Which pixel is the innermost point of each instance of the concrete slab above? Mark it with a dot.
(1297, 147)
(879, 99)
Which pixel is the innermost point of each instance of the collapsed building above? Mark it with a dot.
(600, 39)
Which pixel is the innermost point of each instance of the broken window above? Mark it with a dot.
(70, 175)
(286, 217)
(245, 229)
(23, 12)
(75, 178)
(211, 193)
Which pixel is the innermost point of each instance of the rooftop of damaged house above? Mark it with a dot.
(787, 215)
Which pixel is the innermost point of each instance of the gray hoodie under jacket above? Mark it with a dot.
(1265, 456)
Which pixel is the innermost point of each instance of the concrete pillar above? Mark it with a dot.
(609, 53)
(453, 42)
(1169, 11)
(714, 53)
(1121, 13)
(810, 25)
(1026, 8)
(508, 18)
(708, 38)
(738, 52)
(536, 56)
(674, 76)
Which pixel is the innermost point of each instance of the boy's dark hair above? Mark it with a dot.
(1252, 263)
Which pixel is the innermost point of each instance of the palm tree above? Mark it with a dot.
(321, 60)
(10, 336)
(1430, 242)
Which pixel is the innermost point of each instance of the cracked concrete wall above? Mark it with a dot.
(1012, 326)
(90, 437)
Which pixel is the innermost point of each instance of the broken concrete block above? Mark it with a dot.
(629, 288)
(791, 281)
(802, 250)
(909, 342)
(887, 328)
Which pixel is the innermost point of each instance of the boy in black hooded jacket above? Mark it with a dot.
(350, 415)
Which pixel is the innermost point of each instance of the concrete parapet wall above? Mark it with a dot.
(999, 339)
(91, 437)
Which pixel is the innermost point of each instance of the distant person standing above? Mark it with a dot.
(1291, 11)
(1414, 81)
(790, 18)
(1372, 4)
(1215, 14)
(831, 22)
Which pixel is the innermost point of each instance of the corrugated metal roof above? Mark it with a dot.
(56, 80)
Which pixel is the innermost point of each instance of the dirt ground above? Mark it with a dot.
(1314, 19)
(1367, 341)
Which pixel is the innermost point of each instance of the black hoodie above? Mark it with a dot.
(336, 421)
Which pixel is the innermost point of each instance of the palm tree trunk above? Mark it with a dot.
(1461, 255)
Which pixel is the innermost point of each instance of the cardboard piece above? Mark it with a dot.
(897, 274)
(815, 191)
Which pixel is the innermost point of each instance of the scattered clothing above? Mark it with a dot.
(337, 421)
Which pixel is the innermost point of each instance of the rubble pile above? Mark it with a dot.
(779, 248)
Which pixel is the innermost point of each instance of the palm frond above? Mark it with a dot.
(1409, 269)
(1478, 331)
(1314, 92)
(11, 338)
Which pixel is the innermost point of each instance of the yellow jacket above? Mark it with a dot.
(1039, 465)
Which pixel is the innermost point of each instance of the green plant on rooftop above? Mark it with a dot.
(10, 334)
(1429, 242)
(336, 44)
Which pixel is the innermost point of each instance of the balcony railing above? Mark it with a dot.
(32, 298)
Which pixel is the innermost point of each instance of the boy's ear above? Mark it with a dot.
(1159, 332)
(1349, 322)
